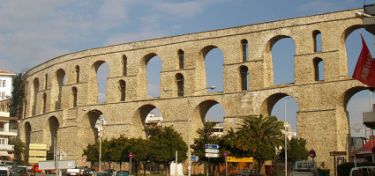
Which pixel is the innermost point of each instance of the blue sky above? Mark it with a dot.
(36, 31)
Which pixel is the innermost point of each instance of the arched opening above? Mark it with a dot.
(180, 84)
(285, 108)
(245, 50)
(34, 95)
(317, 41)
(45, 81)
(90, 126)
(60, 81)
(353, 45)
(215, 115)
(153, 70)
(244, 75)
(181, 59)
(27, 130)
(74, 96)
(122, 90)
(77, 73)
(147, 116)
(53, 126)
(44, 103)
(2, 108)
(283, 51)
(102, 70)
(318, 69)
(124, 65)
(8, 107)
(213, 62)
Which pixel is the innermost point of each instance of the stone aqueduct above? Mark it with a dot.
(56, 107)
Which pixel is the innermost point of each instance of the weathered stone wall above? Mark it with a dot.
(321, 118)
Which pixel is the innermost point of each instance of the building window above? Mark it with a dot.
(3, 95)
(0, 82)
(3, 141)
(181, 58)
(4, 83)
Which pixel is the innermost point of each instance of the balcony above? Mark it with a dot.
(6, 147)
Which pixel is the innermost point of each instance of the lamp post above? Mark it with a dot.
(188, 123)
(285, 133)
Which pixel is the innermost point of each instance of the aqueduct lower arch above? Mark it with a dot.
(322, 118)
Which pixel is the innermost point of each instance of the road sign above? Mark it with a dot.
(194, 158)
(62, 164)
(337, 153)
(84, 158)
(213, 146)
(225, 154)
(240, 159)
(212, 155)
(130, 155)
(312, 153)
(63, 154)
(212, 150)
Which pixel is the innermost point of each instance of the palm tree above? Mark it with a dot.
(264, 134)
(266, 129)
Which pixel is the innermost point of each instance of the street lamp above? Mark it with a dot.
(188, 121)
(286, 145)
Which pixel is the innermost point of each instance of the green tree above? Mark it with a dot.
(19, 149)
(165, 142)
(92, 152)
(296, 150)
(206, 137)
(263, 135)
(140, 148)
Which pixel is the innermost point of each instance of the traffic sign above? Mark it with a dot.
(312, 153)
(130, 155)
(212, 150)
(84, 158)
(213, 146)
(212, 155)
(194, 158)
(225, 154)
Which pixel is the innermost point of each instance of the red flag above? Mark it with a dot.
(365, 69)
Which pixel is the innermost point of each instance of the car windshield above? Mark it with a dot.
(103, 174)
(3, 173)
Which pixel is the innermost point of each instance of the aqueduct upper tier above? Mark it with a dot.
(61, 94)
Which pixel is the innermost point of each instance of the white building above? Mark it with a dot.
(6, 81)
(8, 125)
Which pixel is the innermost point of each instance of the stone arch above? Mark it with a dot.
(124, 65)
(245, 50)
(268, 104)
(343, 67)
(317, 36)
(244, 77)
(318, 69)
(272, 66)
(74, 98)
(144, 68)
(44, 104)
(34, 95)
(95, 89)
(77, 73)
(180, 84)
(122, 89)
(90, 135)
(181, 59)
(27, 133)
(199, 115)
(208, 76)
(139, 119)
(58, 83)
(52, 128)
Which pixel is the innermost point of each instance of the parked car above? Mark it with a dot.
(102, 173)
(248, 172)
(17, 171)
(23, 168)
(111, 171)
(122, 173)
(4, 171)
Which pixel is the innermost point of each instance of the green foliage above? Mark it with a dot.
(92, 152)
(19, 149)
(344, 169)
(296, 150)
(15, 104)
